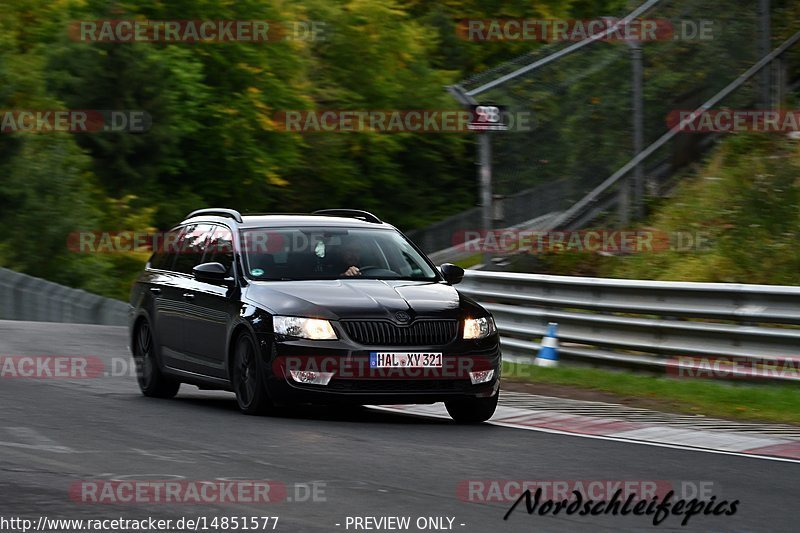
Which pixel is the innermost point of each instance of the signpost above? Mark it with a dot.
(486, 118)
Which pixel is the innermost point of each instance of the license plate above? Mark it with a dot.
(404, 360)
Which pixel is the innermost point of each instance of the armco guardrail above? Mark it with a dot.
(616, 322)
(642, 324)
(24, 297)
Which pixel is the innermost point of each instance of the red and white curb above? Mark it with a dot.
(607, 428)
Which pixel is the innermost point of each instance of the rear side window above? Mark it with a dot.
(191, 247)
(166, 250)
(220, 248)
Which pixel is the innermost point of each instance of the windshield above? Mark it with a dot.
(331, 253)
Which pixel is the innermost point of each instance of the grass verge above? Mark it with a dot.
(738, 400)
(470, 261)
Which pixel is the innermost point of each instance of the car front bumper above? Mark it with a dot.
(355, 382)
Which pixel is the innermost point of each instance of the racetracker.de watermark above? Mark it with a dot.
(408, 366)
(74, 121)
(50, 367)
(396, 121)
(735, 121)
(66, 367)
(616, 241)
(171, 492)
(509, 490)
(177, 490)
(196, 31)
(126, 241)
(727, 368)
(603, 29)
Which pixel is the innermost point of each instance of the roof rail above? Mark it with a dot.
(217, 211)
(366, 216)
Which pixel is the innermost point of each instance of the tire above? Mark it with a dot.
(246, 378)
(472, 410)
(152, 382)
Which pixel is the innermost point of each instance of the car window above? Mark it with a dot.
(405, 259)
(191, 247)
(220, 248)
(328, 253)
(166, 250)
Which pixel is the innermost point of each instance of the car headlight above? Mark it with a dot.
(306, 328)
(478, 328)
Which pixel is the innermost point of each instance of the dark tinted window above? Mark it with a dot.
(220, 248)
(328, 253)
(191, 247)
(166, 250)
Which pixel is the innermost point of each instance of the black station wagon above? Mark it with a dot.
(332, 307)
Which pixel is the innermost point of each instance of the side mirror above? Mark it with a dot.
(211, 273)
(452, 274)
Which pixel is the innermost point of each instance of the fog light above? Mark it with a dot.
(308, 377)
(481, 376)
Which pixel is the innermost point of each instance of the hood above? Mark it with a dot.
(359, 298)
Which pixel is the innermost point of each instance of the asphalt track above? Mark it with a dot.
(55, 433)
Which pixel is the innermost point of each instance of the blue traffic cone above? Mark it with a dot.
(548, 353)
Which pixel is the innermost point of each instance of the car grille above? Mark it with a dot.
(419, 333)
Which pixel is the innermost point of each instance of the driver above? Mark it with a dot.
(351, 257)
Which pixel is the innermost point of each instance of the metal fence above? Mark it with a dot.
(24, 297)
(596, 103)
(510, 211)
(650, 325)
(597, 201)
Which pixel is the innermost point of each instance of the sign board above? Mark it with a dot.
(488, 117)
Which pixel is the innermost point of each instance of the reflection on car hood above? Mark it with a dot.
(362, 298)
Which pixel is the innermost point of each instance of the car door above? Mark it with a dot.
(182, 307)
(165, 289)
(212, 309)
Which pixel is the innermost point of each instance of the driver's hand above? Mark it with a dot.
(352, 271)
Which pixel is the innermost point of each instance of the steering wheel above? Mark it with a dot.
(367, 268)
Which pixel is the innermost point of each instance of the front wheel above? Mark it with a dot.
(472, 410)
(251, 395)
(152, 382)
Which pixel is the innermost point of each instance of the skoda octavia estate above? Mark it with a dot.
(332, 307)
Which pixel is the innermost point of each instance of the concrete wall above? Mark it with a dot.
(24, 297)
